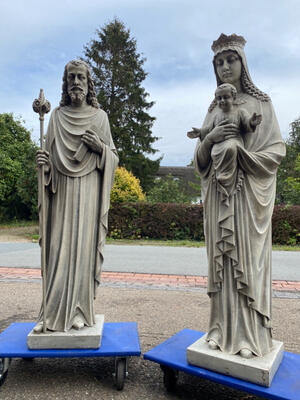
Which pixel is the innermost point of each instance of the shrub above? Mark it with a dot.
(181, 221)
(126, 187)
(286, 225)
(156, 221)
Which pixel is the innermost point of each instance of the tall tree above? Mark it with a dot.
(288, 171)
(118, 73)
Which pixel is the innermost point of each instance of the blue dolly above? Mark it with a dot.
(120, 340)
(171, 355)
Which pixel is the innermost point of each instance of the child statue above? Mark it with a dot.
(229, 112)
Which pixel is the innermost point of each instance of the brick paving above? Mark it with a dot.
(179, 281)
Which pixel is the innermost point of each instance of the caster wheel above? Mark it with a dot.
(120, 373)
(170, 378)
(4, 362)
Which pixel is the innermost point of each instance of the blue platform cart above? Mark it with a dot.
(120, 340)
(171, 355)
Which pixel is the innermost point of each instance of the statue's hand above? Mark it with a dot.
(194, 133)
(255, 119)
(91, 139)
(42, 158)
(222, 132)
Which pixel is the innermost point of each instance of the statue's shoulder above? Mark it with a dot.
(101, 113)
(55, 111)
(101, 116)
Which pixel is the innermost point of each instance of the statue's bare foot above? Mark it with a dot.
(212, 345)
(78, 323)
(38, 328)
(245, 353)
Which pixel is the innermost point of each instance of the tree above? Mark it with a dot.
(168, 190)
(293, 184)
(18, 175)
(288, 172)
(126, 187)
(118, 73)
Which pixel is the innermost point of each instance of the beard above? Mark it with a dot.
(77, 96)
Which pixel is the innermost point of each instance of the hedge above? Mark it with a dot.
(286, 225)
(180, 221)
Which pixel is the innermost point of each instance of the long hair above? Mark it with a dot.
(246, 84)
(91, 98)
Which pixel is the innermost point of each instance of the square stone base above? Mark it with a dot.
(259, 370)
(88, 337)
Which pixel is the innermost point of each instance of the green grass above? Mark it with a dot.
(20, 230)
(153, 242)
(17, 224)
(29, 230)
(283, 247)
(182, 243)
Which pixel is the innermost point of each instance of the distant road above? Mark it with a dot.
(149, 259)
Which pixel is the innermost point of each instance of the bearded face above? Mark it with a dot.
(77, 84)
(77, 96)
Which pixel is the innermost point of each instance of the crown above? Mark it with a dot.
(228, 41)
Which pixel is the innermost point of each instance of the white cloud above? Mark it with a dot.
(178, 108)
(37, 40)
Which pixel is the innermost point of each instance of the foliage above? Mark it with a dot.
(288, 175)
(171, 221)
(18, 180)
(126, 187)
(286, 225)
(293, 184)
(156, 221)
(168, 190)
(118, 73)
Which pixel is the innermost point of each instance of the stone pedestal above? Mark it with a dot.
(85, 338)
(259, 370)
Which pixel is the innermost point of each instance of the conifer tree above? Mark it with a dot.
(118, 73)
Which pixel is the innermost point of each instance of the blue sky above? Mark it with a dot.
(37, 39)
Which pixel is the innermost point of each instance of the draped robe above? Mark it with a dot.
(77, 204)
(238, 236)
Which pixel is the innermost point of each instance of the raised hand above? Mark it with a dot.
(195, 133)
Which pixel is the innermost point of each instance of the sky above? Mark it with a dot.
(38, 38)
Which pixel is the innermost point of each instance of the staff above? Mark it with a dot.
(42, 107)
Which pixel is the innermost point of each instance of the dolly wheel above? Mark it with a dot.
(170, 378)
(3, 370)
(120, 373)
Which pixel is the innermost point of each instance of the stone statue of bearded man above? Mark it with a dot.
(79, 163)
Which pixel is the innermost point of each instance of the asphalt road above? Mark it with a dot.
(149, 259)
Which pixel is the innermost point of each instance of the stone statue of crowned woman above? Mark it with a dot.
(237, 222)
